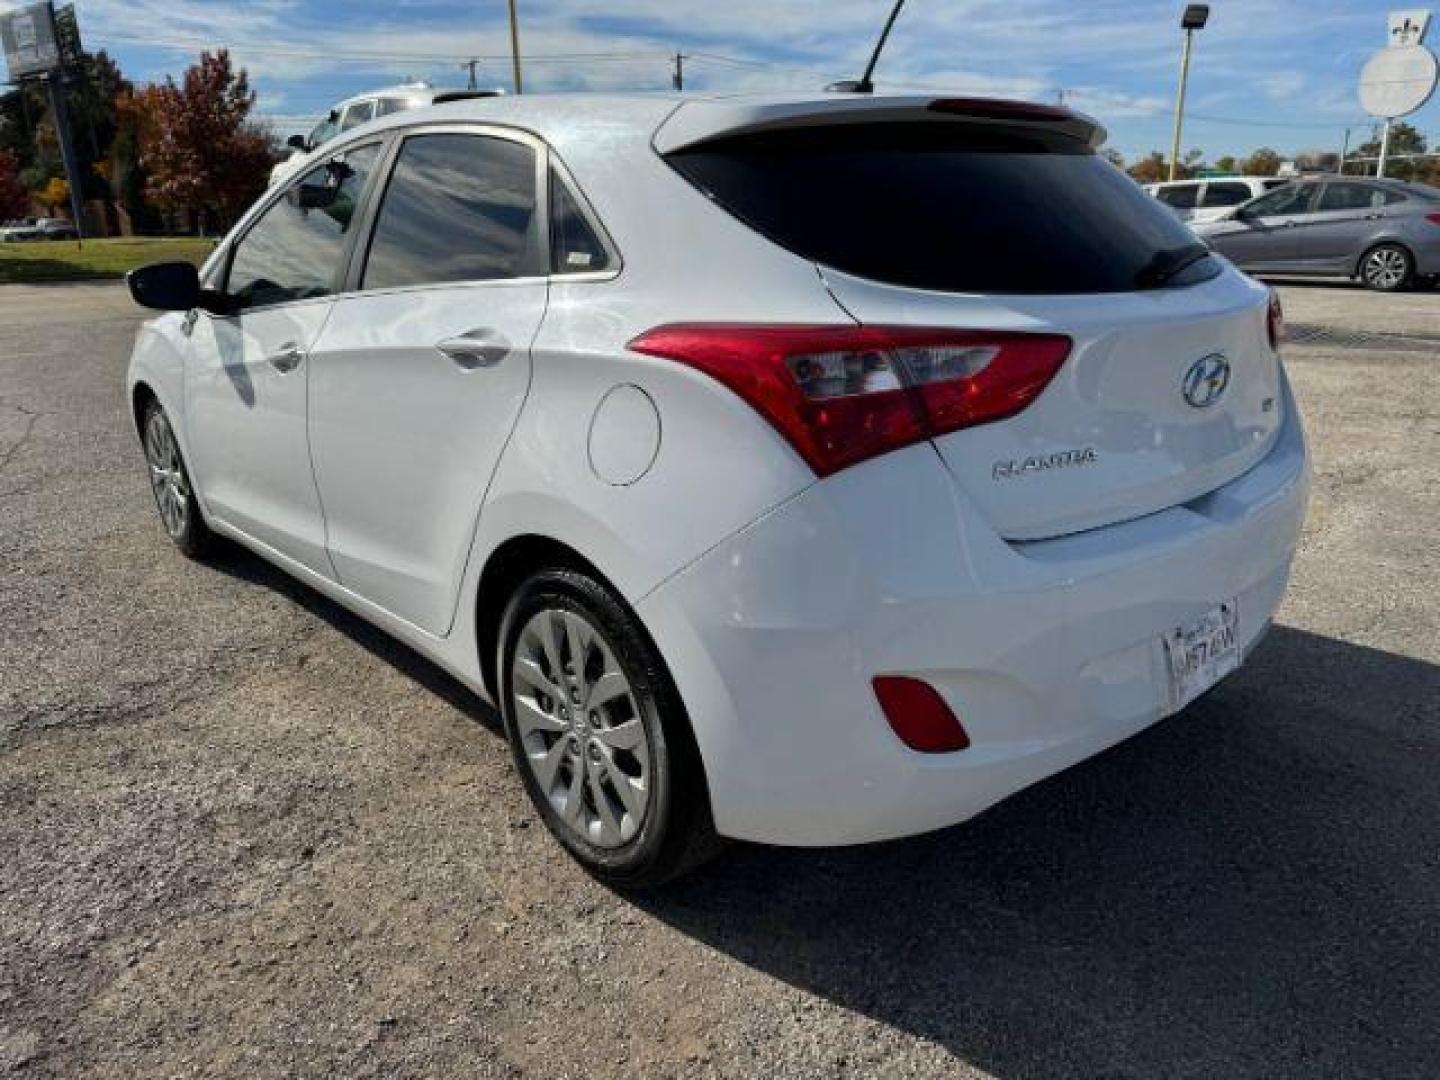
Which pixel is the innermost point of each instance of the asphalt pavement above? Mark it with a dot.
(243, 834)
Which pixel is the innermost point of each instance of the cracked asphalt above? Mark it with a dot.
(242, 834)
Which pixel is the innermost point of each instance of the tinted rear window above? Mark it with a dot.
(945, 206)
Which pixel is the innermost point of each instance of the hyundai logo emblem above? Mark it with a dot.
(1206, 380)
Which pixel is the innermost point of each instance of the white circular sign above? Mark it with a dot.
(1398, 80)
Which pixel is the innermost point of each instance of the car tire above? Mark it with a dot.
(1387, 268)
(170, 484)
(599, 733)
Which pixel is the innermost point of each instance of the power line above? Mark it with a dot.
(1247, 122)
(261, 49)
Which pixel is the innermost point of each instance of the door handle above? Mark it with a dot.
(480, 348)
(286, 358)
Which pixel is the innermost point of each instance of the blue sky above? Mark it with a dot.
(1266, 72)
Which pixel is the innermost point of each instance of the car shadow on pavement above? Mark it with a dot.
(1251, 888)
(241, 564)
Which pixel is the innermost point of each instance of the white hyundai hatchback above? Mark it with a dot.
(802, 471)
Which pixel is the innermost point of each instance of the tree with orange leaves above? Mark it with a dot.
(202, 153)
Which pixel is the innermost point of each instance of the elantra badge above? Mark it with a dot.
(1016, 467)
(1205, 382)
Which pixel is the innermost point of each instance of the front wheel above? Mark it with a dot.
(170, 483)
(1387, 268)
(599, 734)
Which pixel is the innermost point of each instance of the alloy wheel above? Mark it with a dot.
(1386, 268)
(580, 729)
(167, 475)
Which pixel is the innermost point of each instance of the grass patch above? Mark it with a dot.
(69, 260)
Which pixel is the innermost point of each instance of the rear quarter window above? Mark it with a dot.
(944, 206)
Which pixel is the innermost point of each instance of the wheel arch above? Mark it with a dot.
(141, 395)
(508, 565)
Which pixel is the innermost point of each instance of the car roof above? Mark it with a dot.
(407, 90)
(672, 121)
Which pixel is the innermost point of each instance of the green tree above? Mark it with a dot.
(1404, 139)
(1263, 162)
(1226, 163)
(1150, 169)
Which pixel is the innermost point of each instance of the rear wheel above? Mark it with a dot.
(1387, 268)
(599, 734)
(170, 483)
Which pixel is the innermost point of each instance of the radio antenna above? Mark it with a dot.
(865, 85)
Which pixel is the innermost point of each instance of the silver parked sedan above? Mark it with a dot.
(1384, 232)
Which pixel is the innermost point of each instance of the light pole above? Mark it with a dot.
(1194, 18)
(515, 46)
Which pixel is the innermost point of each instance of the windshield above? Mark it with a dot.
(949, 206)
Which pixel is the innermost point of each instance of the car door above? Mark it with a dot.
(245, 377)
(1346, 219)
(1264, 235)
(417, 380)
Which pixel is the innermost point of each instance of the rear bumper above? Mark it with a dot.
(1048, 651)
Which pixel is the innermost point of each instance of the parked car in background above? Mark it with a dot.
(39, 229)
(790, 532)
(1209, 199)
(357, 110)
(1386, 233)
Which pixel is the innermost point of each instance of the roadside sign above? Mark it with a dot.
(28, 37)
(1408, 27)
(1398, 80)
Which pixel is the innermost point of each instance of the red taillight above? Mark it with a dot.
(841, 394)
(1275, 320)
(1434, 219)
(918, 714)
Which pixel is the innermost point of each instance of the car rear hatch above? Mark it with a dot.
(996, 217)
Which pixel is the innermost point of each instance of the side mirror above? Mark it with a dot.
(297, 142)
(166, 286)
(1241, 214)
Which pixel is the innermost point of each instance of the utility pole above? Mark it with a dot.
(515, 47)
(1344, 153)
(678, 79)
(471, 65)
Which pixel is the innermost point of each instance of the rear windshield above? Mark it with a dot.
(948, 206)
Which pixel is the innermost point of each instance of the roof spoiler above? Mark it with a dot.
(697, 122)
(465, 95)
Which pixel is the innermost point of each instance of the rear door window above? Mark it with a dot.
(1183, 197)
(458, 208)
(949, 206)
(1223, 194)
(391, 105)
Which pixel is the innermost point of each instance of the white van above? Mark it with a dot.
(354, 111)
(1208, 199)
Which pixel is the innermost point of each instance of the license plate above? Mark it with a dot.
(1201, 653)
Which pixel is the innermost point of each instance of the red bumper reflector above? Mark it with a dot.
(918, 714)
